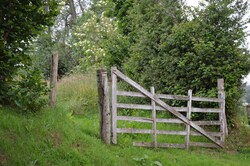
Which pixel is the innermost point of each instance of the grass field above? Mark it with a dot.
(69, 135)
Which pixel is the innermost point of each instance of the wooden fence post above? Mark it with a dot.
(103, 93)
(222, 114)
(53, 78)
(248, 112)
(189, 110)
(114, 107)
(152, 89)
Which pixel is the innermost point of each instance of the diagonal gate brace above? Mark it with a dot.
(167, 107)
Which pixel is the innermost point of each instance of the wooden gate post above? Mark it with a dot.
(53, 78)
(221, 95)
(103, 93)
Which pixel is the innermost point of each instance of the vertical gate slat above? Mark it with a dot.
(114, 108)
(152, 89)
(189, 105)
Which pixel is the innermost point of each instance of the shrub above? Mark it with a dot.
(28, 90)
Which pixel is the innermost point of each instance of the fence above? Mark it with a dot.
(158, 105)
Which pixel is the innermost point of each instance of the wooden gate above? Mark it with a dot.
(217, 138)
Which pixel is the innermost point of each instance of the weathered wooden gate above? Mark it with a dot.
(217, 138)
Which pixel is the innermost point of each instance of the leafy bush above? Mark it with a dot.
(191, 54)
(28, 90)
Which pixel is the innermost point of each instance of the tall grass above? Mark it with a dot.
(79, 92)
(69, 135)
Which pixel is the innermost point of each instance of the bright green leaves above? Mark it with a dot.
(28, 90)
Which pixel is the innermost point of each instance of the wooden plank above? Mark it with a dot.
(147, 120)
(103, 96)
(149, 131)
(170, 97)
(203, 144)
(135, 119)
(147, 107)
(189, 105)
(206, 99)
(161, 145)
(174, 97)
(161, 96)
(207, 123)
(152, 89)
(215, 134)
(158, 120)
(167, 107)
(134, 131)
(143, 144)
(134, 106)
(130, 94)
(114, 107)
(204, 110)
(168, 132)
(169, 121)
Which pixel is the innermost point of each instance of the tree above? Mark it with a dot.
(61, 38)
(20, 22)
(95, 39)
(195, 53)
(72, 11)
(151, 21)
(120, 11)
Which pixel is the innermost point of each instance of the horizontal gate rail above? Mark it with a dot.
(158, 108)
(148, 107)
(164, 132)
(149, 120)
(170, 97)
(169, 145)
(161, 145)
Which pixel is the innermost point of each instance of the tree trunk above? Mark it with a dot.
(81, 6)
(72, 11)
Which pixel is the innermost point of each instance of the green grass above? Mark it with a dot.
(69, 135)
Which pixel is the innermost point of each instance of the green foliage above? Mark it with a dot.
(120, 11)
(41, 53)
(174, 54)
(95, 40)
(42, 50)
(20, 22)
(149, 24)
(27, 92)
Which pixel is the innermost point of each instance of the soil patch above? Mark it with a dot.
(57, 138)
(3, 159)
